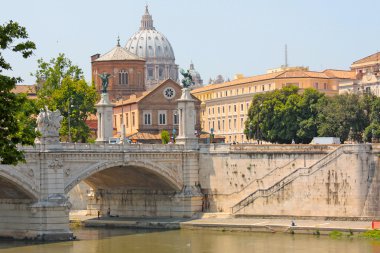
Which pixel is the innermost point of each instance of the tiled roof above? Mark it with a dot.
(119, 53)
(238, 81)
(373, 57)
(141, 95)
(343, 74)
(278, 75)
(22, 88)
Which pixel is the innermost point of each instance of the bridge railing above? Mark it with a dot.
(105, 147)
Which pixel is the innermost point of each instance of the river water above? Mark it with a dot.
(149, 241)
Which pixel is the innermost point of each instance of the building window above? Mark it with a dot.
(316, 86)
(222, 109)
(139, 79)
(241, 107)
(255, 88)
(209, 111)
(161, 73)
(213, 112)
(234, 108)
(263, 89)
(162, 117)
(229, 108)
(147, 118)
(219, 125)
(121, 119)
(126, 119)
(213, 125)
(175, 118)
(234, 123)
(241, 123)
(123, 77)
(226, 94)
(237, 91)
(150, 74)
(249, 90)
(133, 119)
(223, 125)
(218, 110)
(114, 121)
(325, 86)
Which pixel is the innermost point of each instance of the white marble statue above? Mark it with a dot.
(48, 124)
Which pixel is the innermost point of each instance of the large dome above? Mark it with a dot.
(151, 44)
(154, 47)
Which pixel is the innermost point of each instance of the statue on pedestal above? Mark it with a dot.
(48, 124)
(187, 81)
(104, 78)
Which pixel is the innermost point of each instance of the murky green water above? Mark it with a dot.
(144, 241)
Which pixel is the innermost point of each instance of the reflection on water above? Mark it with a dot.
(144, 241)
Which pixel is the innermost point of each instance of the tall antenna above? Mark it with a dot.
(286, 55)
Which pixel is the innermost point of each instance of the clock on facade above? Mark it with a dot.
(169, 92)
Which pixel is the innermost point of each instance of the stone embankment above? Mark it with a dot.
(226, 222)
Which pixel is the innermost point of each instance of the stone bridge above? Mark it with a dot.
(133, 180)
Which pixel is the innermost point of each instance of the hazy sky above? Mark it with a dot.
(219, 36)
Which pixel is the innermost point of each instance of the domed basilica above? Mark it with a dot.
(147, 60)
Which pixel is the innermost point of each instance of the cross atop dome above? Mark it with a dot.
(146, 20)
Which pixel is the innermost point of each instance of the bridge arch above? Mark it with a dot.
(18, 181)
(170, 177)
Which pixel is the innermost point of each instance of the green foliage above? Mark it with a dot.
(371, 234)
(284, 115)
(165, 137)
(281, 116)
(335, 234)
(16, 124)
(63, 87)
(344, 116)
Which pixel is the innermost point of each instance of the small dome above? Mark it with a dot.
(118, 54)
(195, 76)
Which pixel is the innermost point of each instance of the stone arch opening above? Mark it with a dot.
(13, 189)
(129, 189)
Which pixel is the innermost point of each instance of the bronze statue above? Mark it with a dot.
(104, 78)
(188, 79)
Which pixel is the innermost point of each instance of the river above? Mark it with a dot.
(149, 241)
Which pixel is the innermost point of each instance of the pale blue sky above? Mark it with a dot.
(219, 36)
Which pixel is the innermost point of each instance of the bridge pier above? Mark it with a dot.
(49, 216)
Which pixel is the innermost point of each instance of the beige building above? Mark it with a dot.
(224, 106)
(367, 80)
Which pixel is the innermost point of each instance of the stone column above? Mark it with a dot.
(104, 114)
(187, 113)
(189, 200)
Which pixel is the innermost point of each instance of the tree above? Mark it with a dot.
(372, 131)
(165, 137)
(63, 87)
(16, 124)
(308, 124)
(343, 116)
(284, 115)
(49, 77)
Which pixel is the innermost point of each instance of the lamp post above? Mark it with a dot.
(258, 127)
(250, 130)
(174, 132)
(68, 117)
(122, 126)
